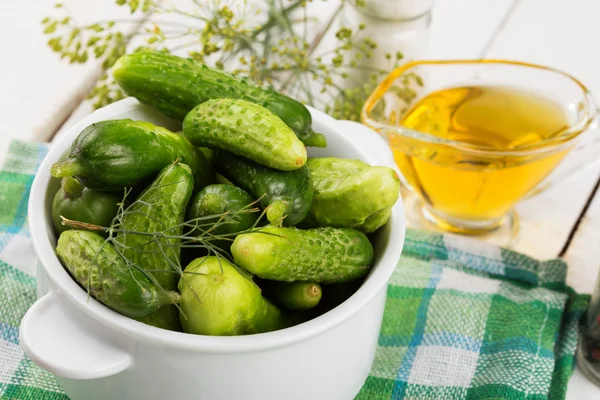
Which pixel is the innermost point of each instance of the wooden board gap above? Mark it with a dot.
(580, 217)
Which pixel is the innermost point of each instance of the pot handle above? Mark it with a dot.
(367, 139)
(67, 347)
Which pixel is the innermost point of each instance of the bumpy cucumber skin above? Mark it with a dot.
(245, 129)
(321, 255)
(175, 85)
(218, 299)
(160, 207)
(114, 154)
(351, 194)
(166, 317)
(293, 190)
(99, 268)
(82, 205)
(221, 198)
(294, 295)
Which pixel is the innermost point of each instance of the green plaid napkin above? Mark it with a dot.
(463, 320)
(467, 320)
(20, 378)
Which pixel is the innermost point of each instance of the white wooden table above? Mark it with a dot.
(40, 96)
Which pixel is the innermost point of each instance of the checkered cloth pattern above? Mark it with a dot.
(467, 320)
(20, 378)
(463, 320)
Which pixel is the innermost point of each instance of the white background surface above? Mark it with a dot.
(38, 93)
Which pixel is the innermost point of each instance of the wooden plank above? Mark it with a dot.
(83, 110)
(547, 219)
(463, 28)
(583, 255)
(38, 90)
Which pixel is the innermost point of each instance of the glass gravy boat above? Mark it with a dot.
(472, 188)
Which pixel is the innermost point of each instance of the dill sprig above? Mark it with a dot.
(198, 233)
(269, 42)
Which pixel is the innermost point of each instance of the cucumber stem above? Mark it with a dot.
(275, 212)
(174, 297)
(66, 168)
(81, 225)
(272, 318)
(313, 290)
(71, 186)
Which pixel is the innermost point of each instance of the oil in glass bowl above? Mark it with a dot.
(457, 185)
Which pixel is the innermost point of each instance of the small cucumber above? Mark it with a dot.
(78, 203)
(322, 255)
(293, 296)
(222, 180)
(208, 153)
(175, 85)
(159, 208)
(218, 299)
(286, 196)
(166, 317)
(246, 129)
(113, 154)
(334, 295)
(376, 220)
(97, 266)
(219, 199)
(351, 194)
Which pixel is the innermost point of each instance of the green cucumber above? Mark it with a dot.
(166, 317)
(78, 203)
(160, 207)
(334, 295)
(113, 154)
(99, 268)
(246, 129)
(286, 196)
(322, 255)
(175, 85)
(222, 180)
(294, 295)
(351, 194)
(218, 299)
(208, 153)
(219, 199)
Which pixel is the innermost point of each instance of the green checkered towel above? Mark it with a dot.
(468, 320)
(20, 378)
(463, 320)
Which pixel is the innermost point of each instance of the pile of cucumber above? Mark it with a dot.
(305, 250)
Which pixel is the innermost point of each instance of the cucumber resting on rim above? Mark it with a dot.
(176, 85)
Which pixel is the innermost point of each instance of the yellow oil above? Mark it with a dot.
(471, 185)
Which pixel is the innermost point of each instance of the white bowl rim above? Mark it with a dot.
(66, 286)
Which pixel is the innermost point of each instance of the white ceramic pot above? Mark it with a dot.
(96, 353)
